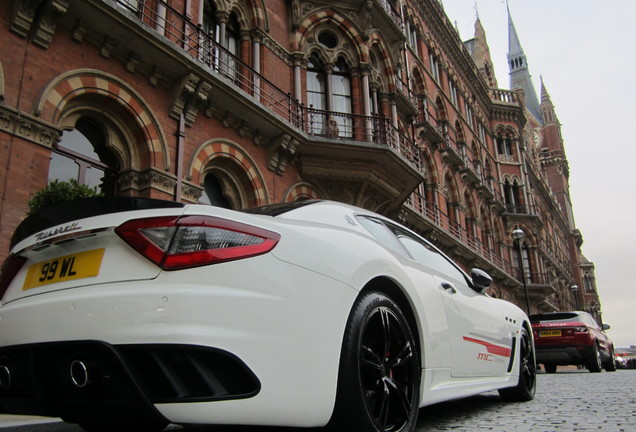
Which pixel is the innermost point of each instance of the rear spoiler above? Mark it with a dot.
(67, 211)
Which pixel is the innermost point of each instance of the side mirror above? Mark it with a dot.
(605, 327)
(481, 280)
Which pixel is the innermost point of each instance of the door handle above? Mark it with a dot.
(449, 287)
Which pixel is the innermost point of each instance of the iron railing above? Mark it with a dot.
(436, 216)
(202, 47)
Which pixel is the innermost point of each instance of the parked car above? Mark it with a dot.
(620, 360)
(128, 314)
(572, 338)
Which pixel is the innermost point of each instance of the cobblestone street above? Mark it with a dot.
(569, 401)
(565, 402)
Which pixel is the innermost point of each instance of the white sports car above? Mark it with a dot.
(136, 313)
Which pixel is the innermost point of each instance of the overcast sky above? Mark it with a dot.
(582, 50)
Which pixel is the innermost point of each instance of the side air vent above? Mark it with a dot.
(185, 373)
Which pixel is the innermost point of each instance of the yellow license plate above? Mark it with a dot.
(549, 333)
(69, 267)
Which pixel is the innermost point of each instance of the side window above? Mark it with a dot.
(382, 234)
(590, 321)
(429, 257)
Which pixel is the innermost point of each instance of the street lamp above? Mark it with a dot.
(518, 235)
(575, 290)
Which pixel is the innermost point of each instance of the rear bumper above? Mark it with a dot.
(282, 328)
(563, 355)
(92, 381)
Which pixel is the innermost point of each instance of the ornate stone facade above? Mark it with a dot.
(377, 103)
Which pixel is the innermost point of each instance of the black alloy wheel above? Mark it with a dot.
(527, 383)
(379, 377)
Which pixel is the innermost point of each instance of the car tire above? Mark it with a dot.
(550, 368)
(379, 376)
(610, 364)
(594, 360)
(527, 383)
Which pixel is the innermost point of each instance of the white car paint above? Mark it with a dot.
(283, 313)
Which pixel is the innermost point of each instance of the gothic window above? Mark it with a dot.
(232, 44)
(412, 37)
(452, 88)
(341, 88)
(82, 155)
(320, 83)
(220, 34)
(482, 133)
(469, 115)
(210, 38)
(317, 93)
(588, 283)
(375, 78)
(512, 196)
(525, 259)
(435, 68)
(504, 145)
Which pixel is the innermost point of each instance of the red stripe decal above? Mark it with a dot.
(490, 347)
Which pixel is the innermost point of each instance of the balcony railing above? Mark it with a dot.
(507, 96)
(435, 216)
(393, 13)
(404, 89)
(520, 209)
(533, 278)
(376, 129)
(202, 47)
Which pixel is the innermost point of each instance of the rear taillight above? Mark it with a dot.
(176, 243)
(10, 268)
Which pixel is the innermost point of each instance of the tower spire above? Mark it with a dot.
(519, 74)
(547, 107)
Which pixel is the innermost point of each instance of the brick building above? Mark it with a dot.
(239, 103)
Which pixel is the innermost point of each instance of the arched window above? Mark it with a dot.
(588, 283)
(210, 27)
(525, 259)
(233, 45)
(82, 155)
(317, 94)
(512, 197)
(224, 34)
(341, 88)
(329, 98)
(504, 148)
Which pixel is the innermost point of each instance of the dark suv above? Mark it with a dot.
(572, 338)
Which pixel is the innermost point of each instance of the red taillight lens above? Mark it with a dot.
(10, 268)
(191, 241)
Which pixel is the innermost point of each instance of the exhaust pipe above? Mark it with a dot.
(5, 375)
(79, 374)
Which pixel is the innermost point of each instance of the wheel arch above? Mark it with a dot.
(391, 288)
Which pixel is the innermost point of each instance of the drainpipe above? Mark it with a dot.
(179, 164)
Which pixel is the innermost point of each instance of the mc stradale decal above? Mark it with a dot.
(57, 231)
(492, 351)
